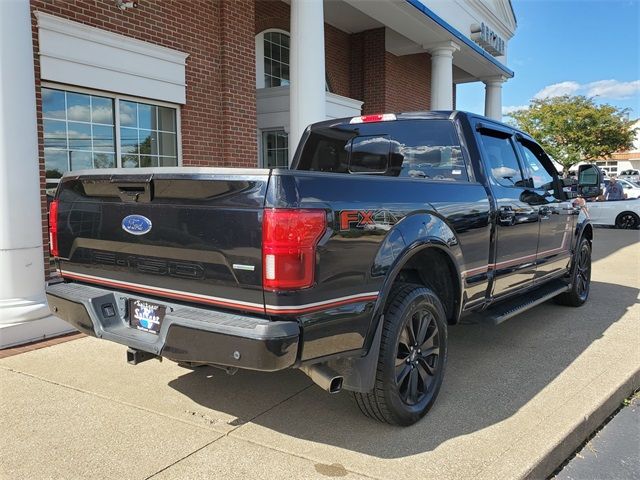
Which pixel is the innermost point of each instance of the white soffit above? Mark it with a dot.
(85, 56)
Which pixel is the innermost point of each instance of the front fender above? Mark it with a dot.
(583, 225)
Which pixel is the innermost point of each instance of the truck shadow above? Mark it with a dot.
(608, 240)
(492, 373)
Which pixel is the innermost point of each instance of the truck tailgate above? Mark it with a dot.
(189, 234)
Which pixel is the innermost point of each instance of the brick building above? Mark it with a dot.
(233, 83)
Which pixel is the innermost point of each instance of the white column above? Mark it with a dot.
(24, 315)
(442, 75)
(307, 90)
(493, 97)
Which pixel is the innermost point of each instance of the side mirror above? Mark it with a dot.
(589, 181)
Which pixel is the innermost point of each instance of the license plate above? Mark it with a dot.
(146, 316)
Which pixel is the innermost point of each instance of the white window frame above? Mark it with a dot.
(260, 58)
(116, 105)
(260, 54)
(261, 147)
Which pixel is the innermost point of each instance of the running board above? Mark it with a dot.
(510, 308)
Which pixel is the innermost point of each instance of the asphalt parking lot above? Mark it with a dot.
(516, 401)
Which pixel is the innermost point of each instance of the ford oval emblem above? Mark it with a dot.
(136, 224)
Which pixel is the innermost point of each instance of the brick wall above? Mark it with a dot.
(238, 81)
(373, 71)
(271, 14)
(407, 82)
(356, 72)
(337, 52)
(385, 82)
(219, 118)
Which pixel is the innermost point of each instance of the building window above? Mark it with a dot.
(78, 132)
(272, 60)
(147, 135)
(609, 167)
(276, 59)
(84, 130)
(275, 149)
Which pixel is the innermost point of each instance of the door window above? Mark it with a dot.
(503, 161)
(540, 177)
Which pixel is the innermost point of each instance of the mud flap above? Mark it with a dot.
(359, 373)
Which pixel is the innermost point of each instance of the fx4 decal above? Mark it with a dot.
(366, 219)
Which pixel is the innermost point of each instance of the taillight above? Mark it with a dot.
(376, 117)
(289, 239)
(53, 228)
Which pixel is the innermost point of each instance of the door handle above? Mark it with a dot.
(545, 212)
(506, 215)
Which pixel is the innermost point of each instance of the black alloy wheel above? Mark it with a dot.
(580, 277)
(417, 357)
(627, 221)
(412, 357)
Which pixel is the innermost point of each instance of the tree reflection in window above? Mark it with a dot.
(148, 135)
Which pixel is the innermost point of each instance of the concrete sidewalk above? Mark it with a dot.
(517, 400)
(613, 453)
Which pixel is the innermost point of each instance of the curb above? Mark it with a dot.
(581, 431)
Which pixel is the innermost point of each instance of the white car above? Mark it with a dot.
(618, 213)
(633, 175)
(630, 188)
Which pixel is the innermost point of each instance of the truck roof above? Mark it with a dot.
(424, 115)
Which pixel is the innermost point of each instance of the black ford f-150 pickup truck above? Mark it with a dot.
(349, 266)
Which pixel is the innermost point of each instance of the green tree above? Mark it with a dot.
(574, 129)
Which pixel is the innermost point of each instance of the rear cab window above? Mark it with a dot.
(420, 149)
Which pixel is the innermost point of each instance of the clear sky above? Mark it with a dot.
(587, 47)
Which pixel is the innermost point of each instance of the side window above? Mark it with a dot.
(540, 177)
(503, 161)
(431, 150)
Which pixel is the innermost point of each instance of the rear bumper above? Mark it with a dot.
(188, 334)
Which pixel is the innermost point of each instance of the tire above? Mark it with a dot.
(407, 378)
(580, 277)
(627, 221)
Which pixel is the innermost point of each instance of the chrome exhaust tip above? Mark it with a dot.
(324, 377)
